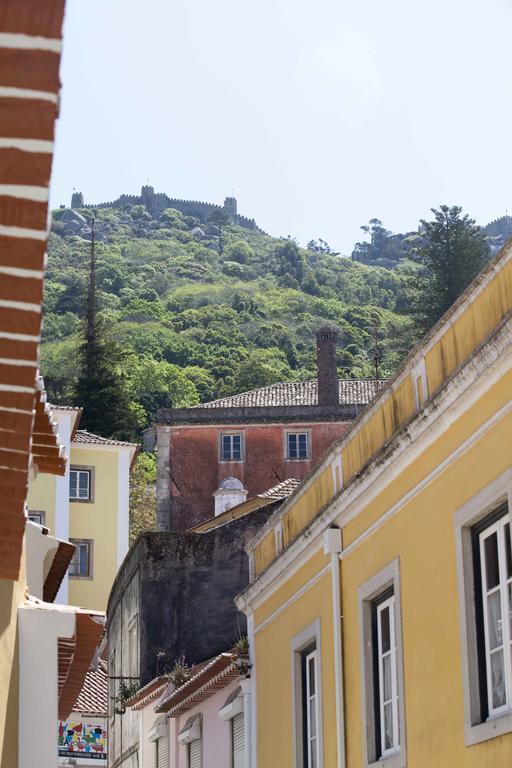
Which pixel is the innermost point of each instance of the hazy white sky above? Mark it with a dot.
(316, 114)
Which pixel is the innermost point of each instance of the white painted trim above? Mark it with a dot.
(16, 362)
(123, 505)
(24, 306)
(20, 336)
(7, 92)
(420, 372)
(471, 513)
(291, 600)
(252, 744)
(24, 232)
(389, 576)
(299, 643)
(24, 191)
(235, 707)
(29, 42)
(16, 388)
(27, 145)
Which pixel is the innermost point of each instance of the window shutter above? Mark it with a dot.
(162, 752)
(194, 754)
(238, 740)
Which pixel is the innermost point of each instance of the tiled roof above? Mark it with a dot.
(148, 693)
(210, 677)
(93, 698)
(83, 436)
(282, 490)
(352, 392)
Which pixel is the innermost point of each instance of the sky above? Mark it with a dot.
(317, 116)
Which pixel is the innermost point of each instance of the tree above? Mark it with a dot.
(143, 495)
(289, 260)
(220, 220)
(100, 389)
(452, 251)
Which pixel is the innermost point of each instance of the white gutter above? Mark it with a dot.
(332, 547)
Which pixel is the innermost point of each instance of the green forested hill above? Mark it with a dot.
(203, 312)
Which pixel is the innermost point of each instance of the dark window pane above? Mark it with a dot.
(384, 628)
(508, 552)
(492, 572)
(311, 673)
(292, 446)
(72, 484)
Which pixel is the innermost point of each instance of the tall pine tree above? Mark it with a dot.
(453, 251)
(101, 389)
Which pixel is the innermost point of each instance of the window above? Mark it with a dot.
(162, 752)
(237, 727)
(382, 669)
(194, 754)
(37, 516)
(494, 594)
(310, 710)
(81, 564)
(231, 447)
(482, 530)
(386, 682)
(307, 687)
(80, 484)
(297, 445)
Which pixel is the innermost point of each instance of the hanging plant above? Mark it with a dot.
(181, 672)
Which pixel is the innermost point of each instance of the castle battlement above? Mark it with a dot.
(156, 202)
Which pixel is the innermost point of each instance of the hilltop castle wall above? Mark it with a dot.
(156, 202)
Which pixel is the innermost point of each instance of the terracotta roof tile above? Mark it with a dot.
(93, 697)
(83, 436)
(352, 392)
(282, 490)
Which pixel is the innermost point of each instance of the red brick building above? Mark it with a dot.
(216, 455)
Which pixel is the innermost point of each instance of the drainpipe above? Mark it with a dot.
(332, 547)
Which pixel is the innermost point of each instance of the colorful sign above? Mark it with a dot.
(82, 740)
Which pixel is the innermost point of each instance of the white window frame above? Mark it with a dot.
(296, 433)
(81, 470)
(370, 596)
(90, 546)
(497, 528)
(482, 505)
(221, 447)
(389, 604)
(307, 638)
(420, 384)
(337, 474)
(310, 660)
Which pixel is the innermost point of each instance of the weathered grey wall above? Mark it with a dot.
(187, 584)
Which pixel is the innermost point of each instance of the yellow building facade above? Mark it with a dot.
(380, 602)
(88, 506)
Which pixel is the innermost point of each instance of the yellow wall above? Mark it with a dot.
(11, 596)
(41, 497)
(421, 535)
(479, 314)
(97, 521)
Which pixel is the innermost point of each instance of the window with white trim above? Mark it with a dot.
(386, 682)
(297, 445)
(231, 447)
(382, 669)
(310, 709)
(81, 563)
(80, 484)
(495, 613)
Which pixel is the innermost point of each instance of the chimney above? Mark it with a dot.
(328, 385)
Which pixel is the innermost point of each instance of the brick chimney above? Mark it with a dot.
(328, 386)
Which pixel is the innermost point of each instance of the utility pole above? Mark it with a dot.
(377, 352)
(91, 291)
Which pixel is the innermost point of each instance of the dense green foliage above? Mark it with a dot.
(204, 309)
(453, 250)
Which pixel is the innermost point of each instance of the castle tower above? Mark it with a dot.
(147, 193)
(77, 200)
(230, 206)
